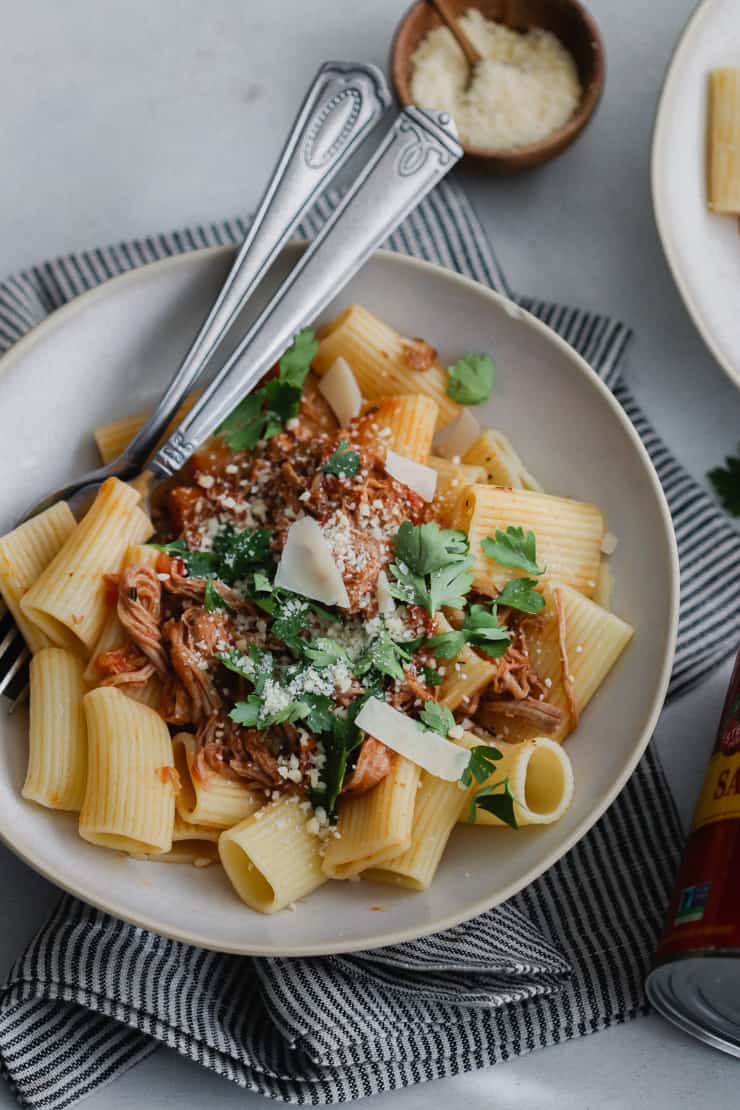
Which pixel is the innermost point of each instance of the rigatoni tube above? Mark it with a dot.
(129, 801)
(57, 753)
(272, 858)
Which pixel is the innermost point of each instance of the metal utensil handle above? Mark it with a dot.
(342, 106)
(417, 152)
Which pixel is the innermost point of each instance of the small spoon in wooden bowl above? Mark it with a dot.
(448, 17)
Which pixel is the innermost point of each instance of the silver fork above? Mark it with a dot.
(415, 155)
(343, 104)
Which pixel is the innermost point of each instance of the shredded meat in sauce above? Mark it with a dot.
(171, 636)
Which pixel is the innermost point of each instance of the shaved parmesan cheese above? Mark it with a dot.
(428, 750)
(457, 437)
(609, 543)
(307, 566)
(384, 597)
(421, 479)
(341, 390)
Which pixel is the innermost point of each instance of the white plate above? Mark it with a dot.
(703, 249)
(112, 349)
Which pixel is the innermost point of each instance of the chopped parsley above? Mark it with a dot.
(726, 482)
(513, 548)
(482, 764)
(471, 379)
(522, 594)
(344, 463)
(437, 717)
(383, 656)
(234, 554)
(263, 413)
(431, 677)
(198, 564)
(481, 629)
(322, 651)
(496, 801)
(432, 566)
(213, 600)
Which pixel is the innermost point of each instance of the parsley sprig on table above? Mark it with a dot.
(432, 566)
(471, 379)
(263, 413)
(726, 482)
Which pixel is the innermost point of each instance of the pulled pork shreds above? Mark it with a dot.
(419, 354)
(516, 690)
(139, 611)
(546, 717)
(373, 764)
(170, 633)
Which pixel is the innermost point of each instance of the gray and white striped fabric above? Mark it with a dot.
(567, 956)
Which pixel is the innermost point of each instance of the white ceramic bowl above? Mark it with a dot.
(701, 247)
(113, 349)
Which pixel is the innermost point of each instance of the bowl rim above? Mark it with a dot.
(659, 142)
(555, 142)
(111, 904)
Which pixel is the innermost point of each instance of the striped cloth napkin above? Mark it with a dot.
(567, 956)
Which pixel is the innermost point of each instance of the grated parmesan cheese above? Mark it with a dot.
(525, 88)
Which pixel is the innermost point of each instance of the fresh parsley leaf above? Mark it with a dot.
(256, 667)
(433, 567)
(319, 717)
(427, 547)
(323, 651)
(261, 584)
(338, 744)
(240, 552)
(446, 645)
(471, 379)
(292, 615)
(437, 717)
(296, 362)
(344, 463)
(432, 677)
(481, 765)
(483, 630)
(246, 713)
(384, 656)
(198, 564)
(513, 548)
(262, 414)
(501, 805)
(726, 482)
(521, 593)
(212, 599)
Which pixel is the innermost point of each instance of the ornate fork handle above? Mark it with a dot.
(417, 152)
(342, 106)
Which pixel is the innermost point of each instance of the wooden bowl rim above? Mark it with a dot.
(559, 139)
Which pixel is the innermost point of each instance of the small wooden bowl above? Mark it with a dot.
(567, 19)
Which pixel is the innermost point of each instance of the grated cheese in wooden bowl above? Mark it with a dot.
(525, 88)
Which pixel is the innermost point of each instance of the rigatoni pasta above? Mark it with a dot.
(129, 801)
(568, 532)
(382, 360)
(57, 736)
(67, 601)
(723, 145)
(272, 858)
(24, 554)
(341, 645)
